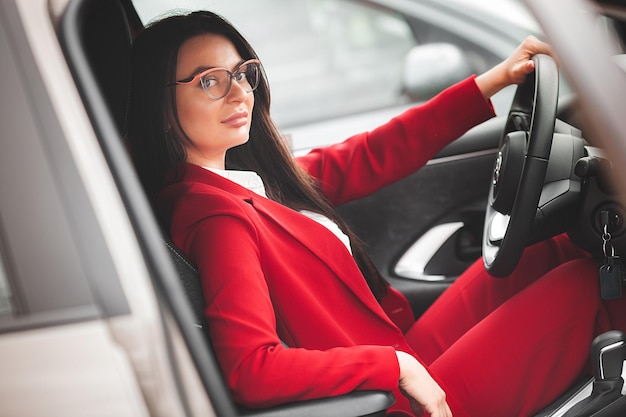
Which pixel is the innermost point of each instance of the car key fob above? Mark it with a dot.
(611, 278)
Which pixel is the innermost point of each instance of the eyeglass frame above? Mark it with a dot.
(231, 76)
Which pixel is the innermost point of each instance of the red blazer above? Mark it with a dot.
(271, 274)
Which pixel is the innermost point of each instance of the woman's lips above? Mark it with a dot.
(237, 119)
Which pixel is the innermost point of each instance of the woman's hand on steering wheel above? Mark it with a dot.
(514, 69)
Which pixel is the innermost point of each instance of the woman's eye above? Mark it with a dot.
(240, 76)
(208, 82)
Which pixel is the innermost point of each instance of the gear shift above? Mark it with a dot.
(608, 352)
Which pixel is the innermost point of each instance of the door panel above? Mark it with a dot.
(440, 209)
(72, 370)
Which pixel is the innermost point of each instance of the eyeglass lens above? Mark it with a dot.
(217, 83)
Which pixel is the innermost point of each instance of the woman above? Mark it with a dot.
(295, 309)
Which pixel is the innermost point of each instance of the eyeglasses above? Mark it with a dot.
(216, 82)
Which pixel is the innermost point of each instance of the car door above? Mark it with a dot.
(81, 328)
(56, 281)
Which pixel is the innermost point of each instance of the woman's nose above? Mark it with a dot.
(237, 91)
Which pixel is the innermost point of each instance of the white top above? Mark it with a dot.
(254, 183)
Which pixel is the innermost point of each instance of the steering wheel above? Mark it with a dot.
(520, 168)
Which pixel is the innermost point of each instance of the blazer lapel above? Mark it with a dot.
(303, 229)
(309, 233)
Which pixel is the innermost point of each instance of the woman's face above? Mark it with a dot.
(212, 126)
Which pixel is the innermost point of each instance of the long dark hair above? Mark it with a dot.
(156, 140)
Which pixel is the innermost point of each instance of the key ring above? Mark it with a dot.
(606, 240)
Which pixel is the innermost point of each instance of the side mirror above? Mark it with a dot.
(430, 68)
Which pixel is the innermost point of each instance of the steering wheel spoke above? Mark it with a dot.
(498, 227)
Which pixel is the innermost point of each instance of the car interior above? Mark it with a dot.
(96, 37)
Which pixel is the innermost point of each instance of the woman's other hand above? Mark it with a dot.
(425, 395)
(514, 69)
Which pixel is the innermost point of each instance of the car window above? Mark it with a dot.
(340, 67)
(347, 59)
(323, 58)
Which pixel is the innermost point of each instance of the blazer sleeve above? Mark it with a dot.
(259, 370)
(368, 161)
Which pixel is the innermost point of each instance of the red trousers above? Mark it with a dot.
(510, 346)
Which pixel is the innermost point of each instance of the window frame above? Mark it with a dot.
(56, 261)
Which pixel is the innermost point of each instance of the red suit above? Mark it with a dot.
(271, 274)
